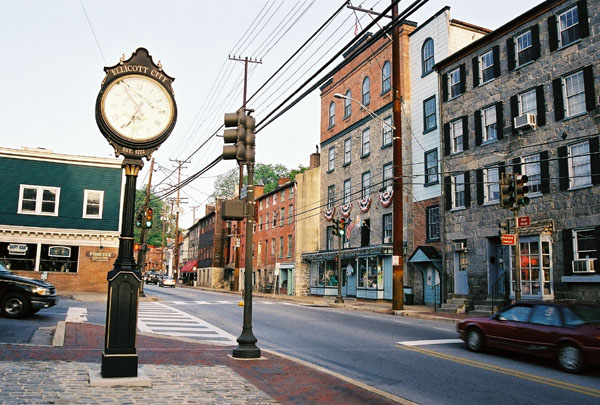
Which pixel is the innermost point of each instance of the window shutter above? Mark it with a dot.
(445, 87)
(552, 33)
(582, 14)
(475, 71)
(557, 93)
(563, 168)
(448, 192)
(541, 106)
(545, 172)
(516, 162)
(597, 245)
(496, 55)
(590, 93)
(479, 186)
(567, 236)
(465, 122)
(446, 139)
(510, 52)
(463, 79)
(535, 41)
(499, 120)
(514, 111)
(595, 162)
(478, 128)
(467, 189)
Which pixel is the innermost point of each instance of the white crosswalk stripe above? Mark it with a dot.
(157, 317)
(429, 342)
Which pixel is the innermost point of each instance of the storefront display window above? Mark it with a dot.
(370, 272)
(59, 258)
(536, 266)
(18, 256)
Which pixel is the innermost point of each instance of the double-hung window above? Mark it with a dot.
(532, 169)
(490, 129)
(289, 246)
(280, 246)
(330, 196)
(388, 176)
(528, 102)
(433, 223)
(347, 191)
(331, 160)
(387, 228)
(524, 44)
(427, 56)
(455, 83)
(574, 93)
(366, 91)
(266, 222)
(386, 77)
(580, 168)
(486, 63)
(348, 104)
(365, 184)
(458, 191)
(456, 134)
(366, 142)
(429, 115)
(331, 114)
(282, 217)
(568, 27)
(431, 167)
(584, 244)
(93, 202)
(290, 214)
(275, 199)
(491, 188)
(386, 130)
(39, 200)
(347, 151)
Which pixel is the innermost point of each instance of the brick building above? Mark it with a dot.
(523, 100)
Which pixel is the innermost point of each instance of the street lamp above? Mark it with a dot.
(371, 113)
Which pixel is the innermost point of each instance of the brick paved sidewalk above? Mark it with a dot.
(181, 372)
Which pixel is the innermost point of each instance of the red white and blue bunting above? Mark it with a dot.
(365, 203)
(386, 198)
(345, 209)
(329, 213)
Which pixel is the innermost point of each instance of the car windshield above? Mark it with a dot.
(581, 314)
(4, 269)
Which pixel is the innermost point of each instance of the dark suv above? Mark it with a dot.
(152, 277)
(23, 296)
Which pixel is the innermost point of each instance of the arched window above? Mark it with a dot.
(347, 101)
(366, 91)
(386, 77)
(427, 56)
(331, 114)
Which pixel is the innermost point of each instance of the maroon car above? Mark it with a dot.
(567, 332)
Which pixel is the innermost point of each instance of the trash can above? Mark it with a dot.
(409, 297)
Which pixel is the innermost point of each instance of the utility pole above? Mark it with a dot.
(162, 246)
(176, 264)
(142, 252)
(398, 214)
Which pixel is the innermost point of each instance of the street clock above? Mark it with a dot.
(135, 109)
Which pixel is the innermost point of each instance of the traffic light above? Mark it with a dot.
(239, 137)
(149, 213)
(334, 229)
(342, 226)
(521, 189)
(503, 228)
(139, 220)
(507, 191)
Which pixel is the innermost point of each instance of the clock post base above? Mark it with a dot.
(119, 365)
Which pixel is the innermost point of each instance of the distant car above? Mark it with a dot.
(23, 296)
(152, 277)
(566, 332)
(167, 281)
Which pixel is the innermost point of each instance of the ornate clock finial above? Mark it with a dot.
(122, 59)
(159, 64)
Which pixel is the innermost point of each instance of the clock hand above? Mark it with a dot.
(137, 106)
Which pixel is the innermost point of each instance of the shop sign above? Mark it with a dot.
(19, 249)
(59, 251)
(99, 256)
(524, 221)
(509, 239)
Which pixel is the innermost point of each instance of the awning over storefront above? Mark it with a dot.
(376, 250)
(188, 267)
(426, 254)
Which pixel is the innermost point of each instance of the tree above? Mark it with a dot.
(266, 175)
(153, 235)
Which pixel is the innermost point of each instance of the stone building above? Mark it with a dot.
(523, 100)
(432, 41)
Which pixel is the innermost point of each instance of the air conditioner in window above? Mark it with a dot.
(387, 240)
(583, 266)
(525, 121)
(346, 245)
(460, 246)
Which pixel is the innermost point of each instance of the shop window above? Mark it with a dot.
(370, 273)
(59, 258)
(18, 256)
(536, 267)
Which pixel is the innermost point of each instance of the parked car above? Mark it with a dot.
(167, 281)
(23, 296)
(152, 277)
(567, 332)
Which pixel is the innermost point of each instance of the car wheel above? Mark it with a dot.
(15, 306)
(570, 359)
(474, 340)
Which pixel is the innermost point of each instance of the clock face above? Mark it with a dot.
(137, 108)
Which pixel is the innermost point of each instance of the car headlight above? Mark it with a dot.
(40, 290)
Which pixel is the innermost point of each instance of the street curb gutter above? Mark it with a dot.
(59, 334)
(349, 380)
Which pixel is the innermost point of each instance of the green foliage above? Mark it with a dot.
(154, 234)
(264, 174)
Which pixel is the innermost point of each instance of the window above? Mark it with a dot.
(574, 90)
(458, 191)
(580, 169)
(347, 191)
(62, 259)
(431, 167)
(568, 27)
(267, 222)
(491, 185)
(429, 116)
(536, 266)
(329, 238)
(366, 91)
(519, 313)
(524, 44)
(366, 142)
(291, 193)
(386, 130)
(331, 161)
(266, 250)
(584, 244)
(330, 197)
(282, 220)
(528, 102)
(348, 104)
(39, 200)
(532, 168)
(275, 199)
(331, 114)
(455, 83)
(388, 177)
(387, 228)
(369, 275)
(488, 116)
(456, 133)
(546, 315)
(347, 151)
(273, 247)
(274, 219)
(427, 56)
(433, 223)
(282, 196)
(289, 250)
(486, 63)
(386, 77)
(290, 214)
(260, 205)
(280, 246)
(93, 201)
(266, 203)
(366, 184)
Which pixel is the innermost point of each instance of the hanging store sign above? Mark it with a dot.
(18, 249)
(99, 256)
(59, 251)
(524, 221)
(509, 239)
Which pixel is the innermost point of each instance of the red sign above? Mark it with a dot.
(524, 221)
(509, 239)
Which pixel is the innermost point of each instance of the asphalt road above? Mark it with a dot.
(429, 366)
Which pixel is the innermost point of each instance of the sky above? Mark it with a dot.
(54, 51)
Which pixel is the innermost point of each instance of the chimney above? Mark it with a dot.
(315, 159)
(209, 209)
(282, 180)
